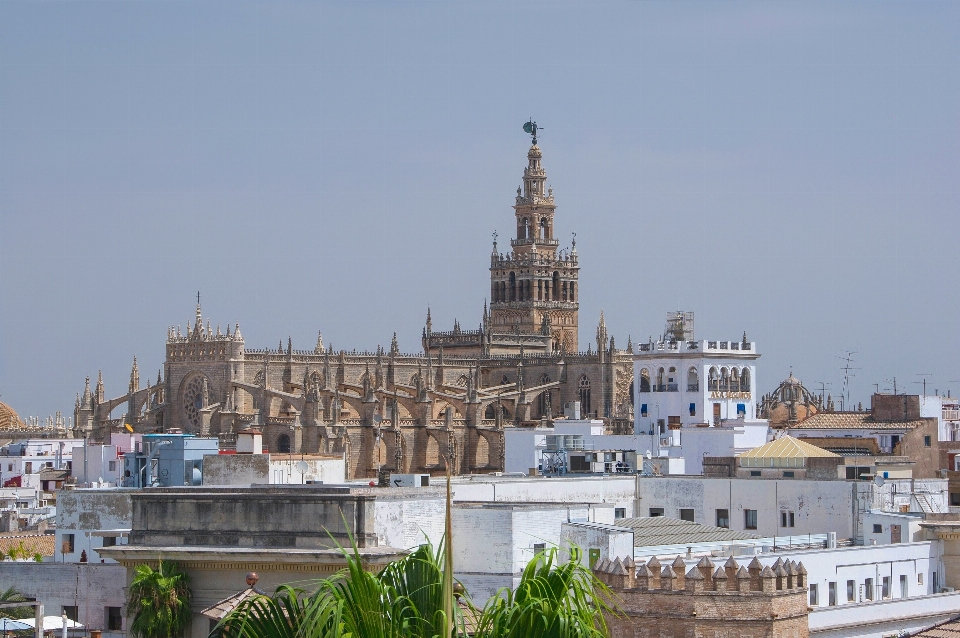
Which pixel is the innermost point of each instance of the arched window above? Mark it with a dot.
(283, 444)
(573, 295)
(693, 380)
(503, 291)
(713, 382)
(543, 228)
(644, 380)
(584, 395)
(724, 379)
(745, 380)
(660, 383)
(504, 380)
(513, 286)
(556, 286)
(543, 401)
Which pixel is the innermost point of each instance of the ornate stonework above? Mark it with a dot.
(391, 411)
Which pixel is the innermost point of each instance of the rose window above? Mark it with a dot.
(192, 401)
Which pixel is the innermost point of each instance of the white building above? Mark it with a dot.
(90, 519)
(21, 462)
(786, 507)
(493, 542)
(571, 445)
(695, 398)
(618, 491)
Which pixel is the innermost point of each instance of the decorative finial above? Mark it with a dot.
(574, 241)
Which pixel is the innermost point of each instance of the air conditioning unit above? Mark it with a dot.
(409, 480)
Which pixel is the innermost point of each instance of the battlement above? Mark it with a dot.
(730, 600)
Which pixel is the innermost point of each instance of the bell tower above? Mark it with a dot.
(534, 287)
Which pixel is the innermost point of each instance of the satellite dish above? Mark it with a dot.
(878, 480)
(377, 418)
(302, 467)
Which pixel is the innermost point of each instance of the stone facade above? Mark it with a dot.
(669, 601)
(388, 411)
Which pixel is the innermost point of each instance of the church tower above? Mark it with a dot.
(533, 289)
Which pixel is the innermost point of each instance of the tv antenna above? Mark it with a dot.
(531, 128)
(923, 381)
(847, 359)
(823, 391)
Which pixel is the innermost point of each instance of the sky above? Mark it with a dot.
(785, 169)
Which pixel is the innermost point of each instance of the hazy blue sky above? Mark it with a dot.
(788, 169)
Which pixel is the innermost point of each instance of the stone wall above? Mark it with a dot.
(659, 601)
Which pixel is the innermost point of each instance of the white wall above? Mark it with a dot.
(328, 470)
(910, 529)
(493, 543)
(94, 462)
(818, 506)
(883, 618)
(82, 511)
(406, 523)
(520, 453)
(615, 491)
(613, 542)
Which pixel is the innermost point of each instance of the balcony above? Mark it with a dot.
(673, 387)
(693, 387)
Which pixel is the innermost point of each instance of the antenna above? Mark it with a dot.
(848, 359)
(894, 382)
(823, 391)
(923, 381)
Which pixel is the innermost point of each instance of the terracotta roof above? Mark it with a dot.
(946, 629)
(9, 419)
(852, 420)
(34, 543)
(787, 447)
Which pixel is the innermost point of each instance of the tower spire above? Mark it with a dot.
(134, 377)
(535, 278)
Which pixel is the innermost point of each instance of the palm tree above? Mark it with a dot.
(415, 597)
(565, 600)
(11, 595)
(407, 599)
(159, 601)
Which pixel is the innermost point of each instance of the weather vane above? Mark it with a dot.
(531, 128)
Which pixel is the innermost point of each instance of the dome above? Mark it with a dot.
(534, 151)
(9, 419)
(791, 380)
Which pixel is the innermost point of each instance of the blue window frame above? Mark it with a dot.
(741, 409)
(693, 409)
(643, 409)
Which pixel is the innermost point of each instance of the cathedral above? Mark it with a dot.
(389, 411)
